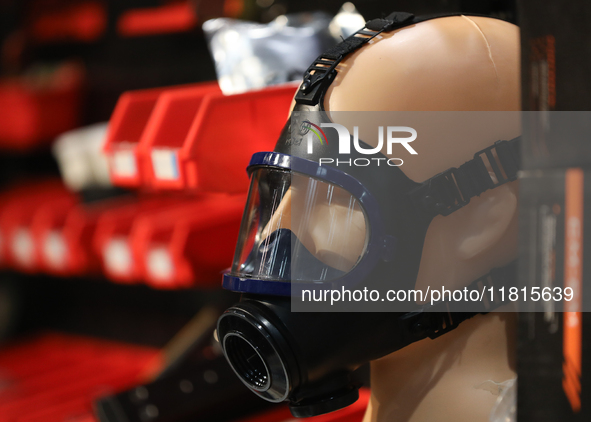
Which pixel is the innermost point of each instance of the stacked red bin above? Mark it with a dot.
(185, 149)
(193, 137)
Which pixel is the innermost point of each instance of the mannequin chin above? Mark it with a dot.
(451, 64)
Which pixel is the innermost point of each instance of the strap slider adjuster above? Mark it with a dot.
(389, 22)
(441, 194)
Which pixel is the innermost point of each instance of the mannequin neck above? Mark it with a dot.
(451, 378)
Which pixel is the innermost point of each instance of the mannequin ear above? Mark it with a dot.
(486, 221)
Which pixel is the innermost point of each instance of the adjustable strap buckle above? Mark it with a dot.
(391, 21)
(432, 324)
(440, 195)
(452, 189)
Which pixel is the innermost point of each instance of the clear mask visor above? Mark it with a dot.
(298, 228)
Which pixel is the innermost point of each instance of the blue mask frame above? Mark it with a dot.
(380, 246)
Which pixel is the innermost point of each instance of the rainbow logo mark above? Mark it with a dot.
(316, 129)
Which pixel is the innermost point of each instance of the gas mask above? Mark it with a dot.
(308, 224)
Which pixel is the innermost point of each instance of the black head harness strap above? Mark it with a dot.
(452, 189)
(322, 71)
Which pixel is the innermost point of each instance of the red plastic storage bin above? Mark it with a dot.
(128, 126)
(81, 21)
(112, 242)
(224, 134)
(170, 18)
(75, 254)
(46, 228)
(16, 218)
(131, 114)
(170, 123)
(33, 113)
(175, 17)
(5, 197)
(188, 245)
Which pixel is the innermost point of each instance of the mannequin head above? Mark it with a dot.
(299, 229)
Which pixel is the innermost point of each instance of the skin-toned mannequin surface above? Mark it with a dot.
(450, 64)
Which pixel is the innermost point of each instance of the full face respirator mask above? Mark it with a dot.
(352, 225)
